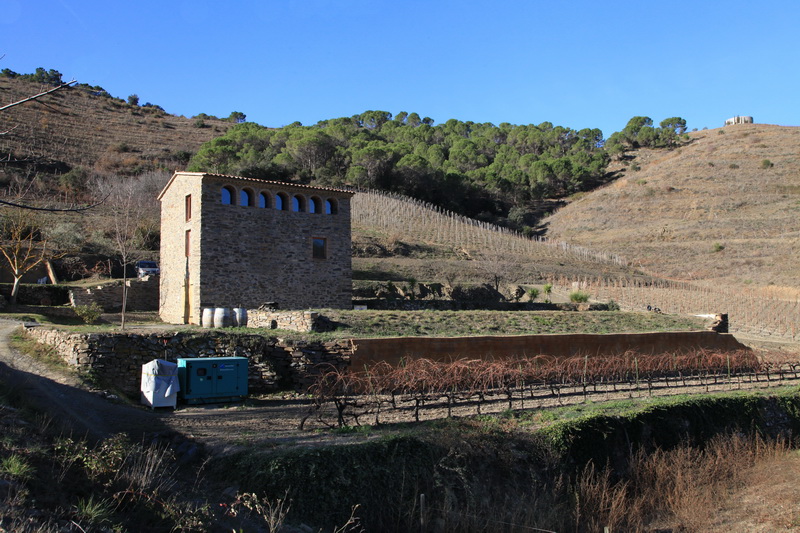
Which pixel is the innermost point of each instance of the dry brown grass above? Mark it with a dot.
(669, 217)
(99, 133)
(688, 489)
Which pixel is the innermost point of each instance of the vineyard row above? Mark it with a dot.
(423, 384)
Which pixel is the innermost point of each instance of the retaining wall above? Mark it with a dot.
(392, 350)
(291, 320)
(117, 358)
(142, 295)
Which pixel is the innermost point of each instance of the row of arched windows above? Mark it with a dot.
(280, 201)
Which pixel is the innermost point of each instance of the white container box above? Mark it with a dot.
(160, 384)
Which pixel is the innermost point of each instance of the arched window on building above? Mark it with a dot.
(331, 207)
(281, 201)
(246, 197)
(315, 205)
(228, 194)
(298, 203)
(263, 200)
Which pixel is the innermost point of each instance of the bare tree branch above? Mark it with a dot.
(53, 209)
(35, 96)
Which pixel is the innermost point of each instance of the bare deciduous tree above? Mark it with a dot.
(130, 202)
(24, 244)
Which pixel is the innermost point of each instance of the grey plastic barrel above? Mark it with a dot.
(239, 317)
(222, 317)
(207, 320)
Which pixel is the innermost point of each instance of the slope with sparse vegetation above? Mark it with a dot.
(724, 208)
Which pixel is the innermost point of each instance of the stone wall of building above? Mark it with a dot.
(117, 358)
(179, 292)
(251, 255)
(142, 295)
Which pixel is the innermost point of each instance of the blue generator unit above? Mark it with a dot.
(212, 379)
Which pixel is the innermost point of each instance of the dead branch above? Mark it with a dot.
(53, 209)
(35, 96)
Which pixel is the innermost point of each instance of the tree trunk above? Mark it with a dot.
(124, 295)
(15, 290)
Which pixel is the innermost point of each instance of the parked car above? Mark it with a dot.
(147, 268)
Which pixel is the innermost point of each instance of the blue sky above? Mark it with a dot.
(577, 64)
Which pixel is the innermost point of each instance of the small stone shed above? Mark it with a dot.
(230, 241)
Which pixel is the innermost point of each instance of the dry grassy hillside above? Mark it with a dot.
(723, 209)
(75, 127)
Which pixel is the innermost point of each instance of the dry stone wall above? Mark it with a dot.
(304, 321)
(142, 295)
(117, 358)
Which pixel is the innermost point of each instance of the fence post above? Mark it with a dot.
(422, 525)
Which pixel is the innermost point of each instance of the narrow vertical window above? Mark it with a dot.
(319, 248)
(282, 201)
(330, 207)
(245, 198)
(188, 242)
(263, 200)
(188, 207)
(227, 195)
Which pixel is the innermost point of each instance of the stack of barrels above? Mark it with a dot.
(224, 317)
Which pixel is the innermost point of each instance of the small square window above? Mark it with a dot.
(319, 248)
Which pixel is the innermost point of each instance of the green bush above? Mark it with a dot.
(533, 294)
(89, 313)
(766, 163)
(579, 297)
(718, 247)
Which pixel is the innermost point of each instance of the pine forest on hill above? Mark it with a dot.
(492, 173)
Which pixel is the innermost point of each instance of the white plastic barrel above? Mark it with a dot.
(239, 317)
(222, 317)
(207, 320)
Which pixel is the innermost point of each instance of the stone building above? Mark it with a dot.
(738, 120)
(230, 241)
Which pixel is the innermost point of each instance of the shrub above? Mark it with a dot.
(533, 294)
(733, 165)
(766, 163)
(613, 306)
(89, 313)
(579, 297)
(547, 289)
(718, 247)
(16, 467)
(120, 148)
(95, 512)
(133, 99)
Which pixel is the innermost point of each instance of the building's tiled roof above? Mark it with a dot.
(278, 184)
